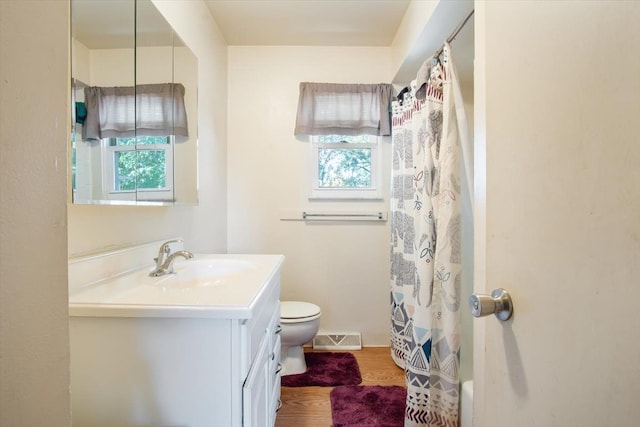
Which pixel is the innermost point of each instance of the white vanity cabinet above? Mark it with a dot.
(206, 365)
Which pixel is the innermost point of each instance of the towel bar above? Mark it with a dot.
(309, 215)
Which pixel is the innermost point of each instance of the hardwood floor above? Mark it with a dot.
(310, 406)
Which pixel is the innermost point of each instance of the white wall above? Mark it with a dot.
(95, 228)
(415, 19)
(34, 341)
(342, 267)
(425, 27)
(80, 61)
(466, 320)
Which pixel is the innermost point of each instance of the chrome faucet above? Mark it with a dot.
(164, 251)
(167, 265)
(165, 259)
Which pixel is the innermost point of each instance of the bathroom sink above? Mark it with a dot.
(209, 285)
(203, 272)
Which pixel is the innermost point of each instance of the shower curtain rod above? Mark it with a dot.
(455, 33)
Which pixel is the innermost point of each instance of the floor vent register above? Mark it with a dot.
(338, 341)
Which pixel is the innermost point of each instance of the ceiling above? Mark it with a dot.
(107, 24)
(326, 23)
(308, 22)
(102, 24)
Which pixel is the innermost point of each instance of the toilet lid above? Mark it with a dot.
(298, 310)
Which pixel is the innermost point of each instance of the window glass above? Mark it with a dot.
(345, 167)
(142, 168)
(332, 139)
(139, 140)
(139, 167)
(125, 170)
(151, 169)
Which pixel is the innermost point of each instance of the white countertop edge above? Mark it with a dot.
(155, 311)
(268, 280)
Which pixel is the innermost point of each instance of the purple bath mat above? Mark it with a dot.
(326, 369)
(368, 406)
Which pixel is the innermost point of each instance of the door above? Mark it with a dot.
(557, 104)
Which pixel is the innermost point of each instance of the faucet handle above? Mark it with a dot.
(164, 250)
(165, 246)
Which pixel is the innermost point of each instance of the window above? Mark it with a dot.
(344, 123)
(345, 167)
(139, 168)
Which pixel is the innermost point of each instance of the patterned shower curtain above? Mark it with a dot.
(425, 247)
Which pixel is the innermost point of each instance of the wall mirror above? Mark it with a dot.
(134, 106)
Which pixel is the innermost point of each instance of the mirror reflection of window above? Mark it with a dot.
(140, 167)
(110, 50)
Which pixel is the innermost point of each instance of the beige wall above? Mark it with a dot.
(95, 228)
(34, 342)
(342, 267)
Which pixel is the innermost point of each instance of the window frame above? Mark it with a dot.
(374, 192)
(138, 194)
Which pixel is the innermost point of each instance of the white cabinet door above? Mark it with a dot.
(273, 332)
(274, 381)
(256, 406)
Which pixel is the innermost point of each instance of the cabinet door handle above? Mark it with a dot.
(278, 329)
(279, 405)
(278, 369)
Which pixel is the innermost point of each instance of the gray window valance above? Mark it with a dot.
(343, 109)
(124, 112)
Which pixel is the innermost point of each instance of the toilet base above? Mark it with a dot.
(292, 360)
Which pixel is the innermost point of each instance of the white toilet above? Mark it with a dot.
(300, 322)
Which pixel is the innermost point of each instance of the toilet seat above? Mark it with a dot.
(298, 311)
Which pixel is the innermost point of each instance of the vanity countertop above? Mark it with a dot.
(224, 286)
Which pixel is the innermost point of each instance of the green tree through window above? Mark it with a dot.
(344, 168)
(143, 168)
(342, 164)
